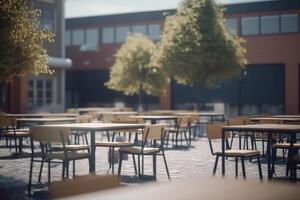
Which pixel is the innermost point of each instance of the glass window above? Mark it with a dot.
(67, 37)
(232, 24)
(250, 25)
(121, 33)
(289, 23)
(269, 24)
(47, 17)
(139, 29)
(154, 31)
(92, 36)
(108, 35)
(78, 37)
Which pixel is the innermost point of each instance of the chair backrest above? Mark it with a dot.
(183, 121)
(46, 134)
(194, 117)
(84, 119)
(128, 119)
(84, 184)
(214, 131)
(154, 132)
(268, 121)
(108, 117)
(236, 121)
(5, 121)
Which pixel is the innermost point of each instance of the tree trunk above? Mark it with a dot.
(198, 91)
(140, 106)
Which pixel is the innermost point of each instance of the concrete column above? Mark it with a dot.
(292, 88)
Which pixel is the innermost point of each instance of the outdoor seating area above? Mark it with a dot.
(174, 99)
(75, 143)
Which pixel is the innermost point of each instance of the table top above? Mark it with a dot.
(37, 120)
(35, 115)
(201, 113)
(155, 117)
(115, 113)
(276, 119)
(201, 188)
(98, 126)
(285, 116)
(281, 128)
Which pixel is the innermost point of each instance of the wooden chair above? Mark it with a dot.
(54, 148)
(242, 120)
(83, 184)
(10, 131)
(81, 134)
(152, 145)
(214, 132)
(182, 128)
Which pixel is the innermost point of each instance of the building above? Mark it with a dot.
(44, 92)
(270, 83)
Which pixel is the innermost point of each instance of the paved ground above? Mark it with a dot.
(183, 163)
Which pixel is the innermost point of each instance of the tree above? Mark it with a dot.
(197, 49)
(21, 49)
(133, 72)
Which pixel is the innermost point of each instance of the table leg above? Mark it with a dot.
(269, 155)
(223, 152)
(291, 157)
(93, 153)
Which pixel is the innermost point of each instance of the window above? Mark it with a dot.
(92, 36)
(121, 33)
(154, 31)
(67, 38)
(78, 37)
(289, 23)
(47, 18)
(250, 25)
(269, 24)
(40, 92)
(139, 29)
(232, 24)
(108, 35)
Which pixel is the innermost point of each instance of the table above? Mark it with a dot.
(113, 113)
(40, 115)
(211, 115)
(41, 121)
(285, 116)
(276, 119)
(155, 118)
(269, 129)
(93, 128)
(200, 188)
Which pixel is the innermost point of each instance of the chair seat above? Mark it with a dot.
(16, 133)
(286, 145)
(75, 147)
(238, 153)
(71, 156)
(138, 150)
(113, 144)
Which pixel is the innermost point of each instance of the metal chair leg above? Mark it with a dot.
(243, 167)
(49, 171)
(216, 164)
(73, 169)
(165, 161)
(120, 163)
(41, 170)
(236, 167)
(259, 168)
(134, 164)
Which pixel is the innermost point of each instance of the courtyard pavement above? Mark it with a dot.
(183, 163)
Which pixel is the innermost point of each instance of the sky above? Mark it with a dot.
(80, 8)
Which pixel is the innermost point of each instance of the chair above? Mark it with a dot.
(152, 145)
(112, 144)
(54, 148)
(182, 127)
(83, 184)
(214, 132)
(81, 134)
(241, 121)
(10, 131)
